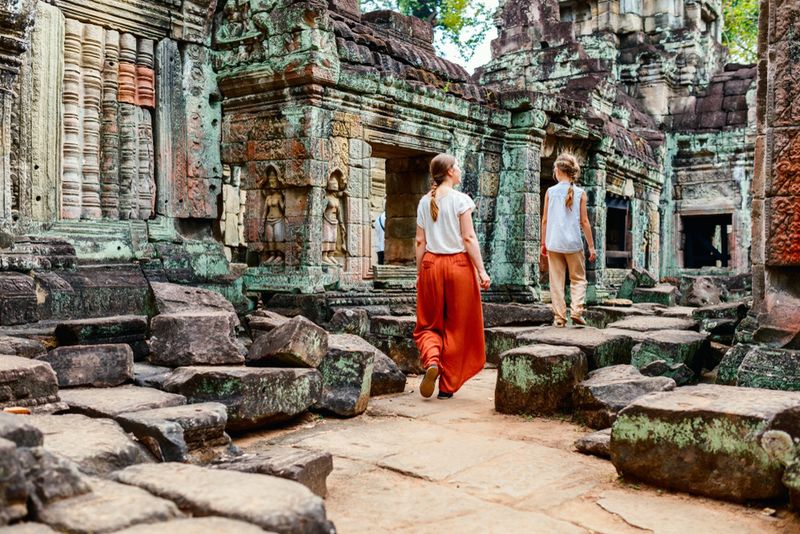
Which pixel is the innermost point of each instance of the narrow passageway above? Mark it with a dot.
(414, 466)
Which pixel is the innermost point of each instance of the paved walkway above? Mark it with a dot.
(415, 466)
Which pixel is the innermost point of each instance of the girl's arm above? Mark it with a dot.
(420, 246)
(473, 249)
(587, 229)
(543, 233)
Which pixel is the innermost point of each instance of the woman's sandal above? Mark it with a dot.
(429, 381)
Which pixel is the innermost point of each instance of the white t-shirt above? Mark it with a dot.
(563, 224)
(443, 236)
(380, 231)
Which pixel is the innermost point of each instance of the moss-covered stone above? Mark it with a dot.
(729, 366)
(346, 375)
(769, 368)
(601, 349)
(671, 346)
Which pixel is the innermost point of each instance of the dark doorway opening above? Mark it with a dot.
(618, 233)
(706, 240)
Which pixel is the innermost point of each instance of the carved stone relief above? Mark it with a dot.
(334, 236)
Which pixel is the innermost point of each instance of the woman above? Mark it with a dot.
(450, 273)
(561, 240)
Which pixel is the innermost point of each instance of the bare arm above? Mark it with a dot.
(587, 229)
(420, 243)
(543, 233)
(473, 249)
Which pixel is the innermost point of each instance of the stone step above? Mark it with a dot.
(30, 384)
(645, 324)
(707, 440)
(254, 396)
(274, 504)
(91, 365)
(601, 348)
(346, 372)
(109, 402)
(538, 379)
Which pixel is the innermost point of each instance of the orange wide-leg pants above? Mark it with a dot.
(449, 331)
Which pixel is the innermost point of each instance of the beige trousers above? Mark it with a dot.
(559, 264)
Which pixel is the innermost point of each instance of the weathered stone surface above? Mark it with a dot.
(597, 443)
(705, 439)
(393, 325)
(601, 316)
(18, 303)
(264, 320)
(729, 366)
(673, 346)
(502, 338)
(665, 294)
(17, 430)
(684, 312)
(171, 433)
(515, 315)
(402, 351)
(176, 298)
(108, 402)
(272, 503)
(679, 372)
(50, 478)
(701, 291)
(350, 321)
(346, 375)
(96, 446)
(109, 507)
(196, 525)
(635, 335)
(253, 396)
(102, 330)
(636, 278)
(310, 468)
(91, 365)
(20, 346)
(195, 338)
(28, 383)
(150, 376)
(606, 391)
(764, 367)
(728, 310)
(645, 324)
(386, 376)
(538, 379)
(13, 486)
(601, 349)
(298, 342)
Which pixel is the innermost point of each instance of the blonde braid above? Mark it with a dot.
(434, 205)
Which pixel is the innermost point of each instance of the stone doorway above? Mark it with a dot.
(706, 240)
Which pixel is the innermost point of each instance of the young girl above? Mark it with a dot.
(449, 331)
(561, 239)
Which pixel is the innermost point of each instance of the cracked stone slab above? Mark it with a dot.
(91, 365)
(601, 348)
(109, 402)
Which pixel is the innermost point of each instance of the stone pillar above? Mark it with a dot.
(73, 125)
(593, 180)
(776, 181)
(91, 69)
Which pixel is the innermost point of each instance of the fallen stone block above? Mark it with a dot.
(597, 443)
(728, 310)
(601, 349)
(701, 291)
(298, 342)
(109, 402)
(679, 372)
(346, 375)
(29, 384)
(729, 366)
(150, 376)
(350, 321)
(18, 302)
(176, 298)
(512, 314)
(538, 379)
(403, 352)
(706, 440)
(602, 316)
(254, 396)
(261, 321)
(770, 368)
(274, 504)
(309, 468)
(172, 433)
(393, 326)
(598, 399)
(196, 525)
(501, 339)
(386, 376)
(646, 324)
(96, 446)
(22, 347)
(637, 277)
(107, 508)
(195, 338)
(91, 365)
(665, 294)
(672, 346)
(103, 330)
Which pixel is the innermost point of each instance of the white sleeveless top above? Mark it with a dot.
(563, 224)
(443, 236)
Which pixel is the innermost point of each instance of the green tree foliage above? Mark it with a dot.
(740, 29)
(463, 23)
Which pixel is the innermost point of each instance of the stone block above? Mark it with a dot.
(679, 372)
(22, 347)
(386, 376)
(176, 298)
(16, 430)
(18, 304)
(601, 349)
(195, 338)
(728, 310)
(402, 351)
(499, 339)
(309, 468)
(195, 525)
(538, 379)
(598, 399)
(350, 321)
(91, 365)
(253, 396)
(297, 342)
(109, 507)
(150, 376)
(393, 326)
(172, 433)
(515, 315)
(729, 366)
(97, 446)
(597, 443)
(770, 368)
(51, 478)
(665, 294)
(601, 316)
(109, 402)
(29, 384)
(672, 346)
(646, 324)
(346, 373)
(103, 330)
(264, 321)
(706, 440)
(274, 504)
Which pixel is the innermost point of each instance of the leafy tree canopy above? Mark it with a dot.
(740, 29)
(462, 23)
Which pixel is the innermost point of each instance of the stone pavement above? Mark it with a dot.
(412, 465)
